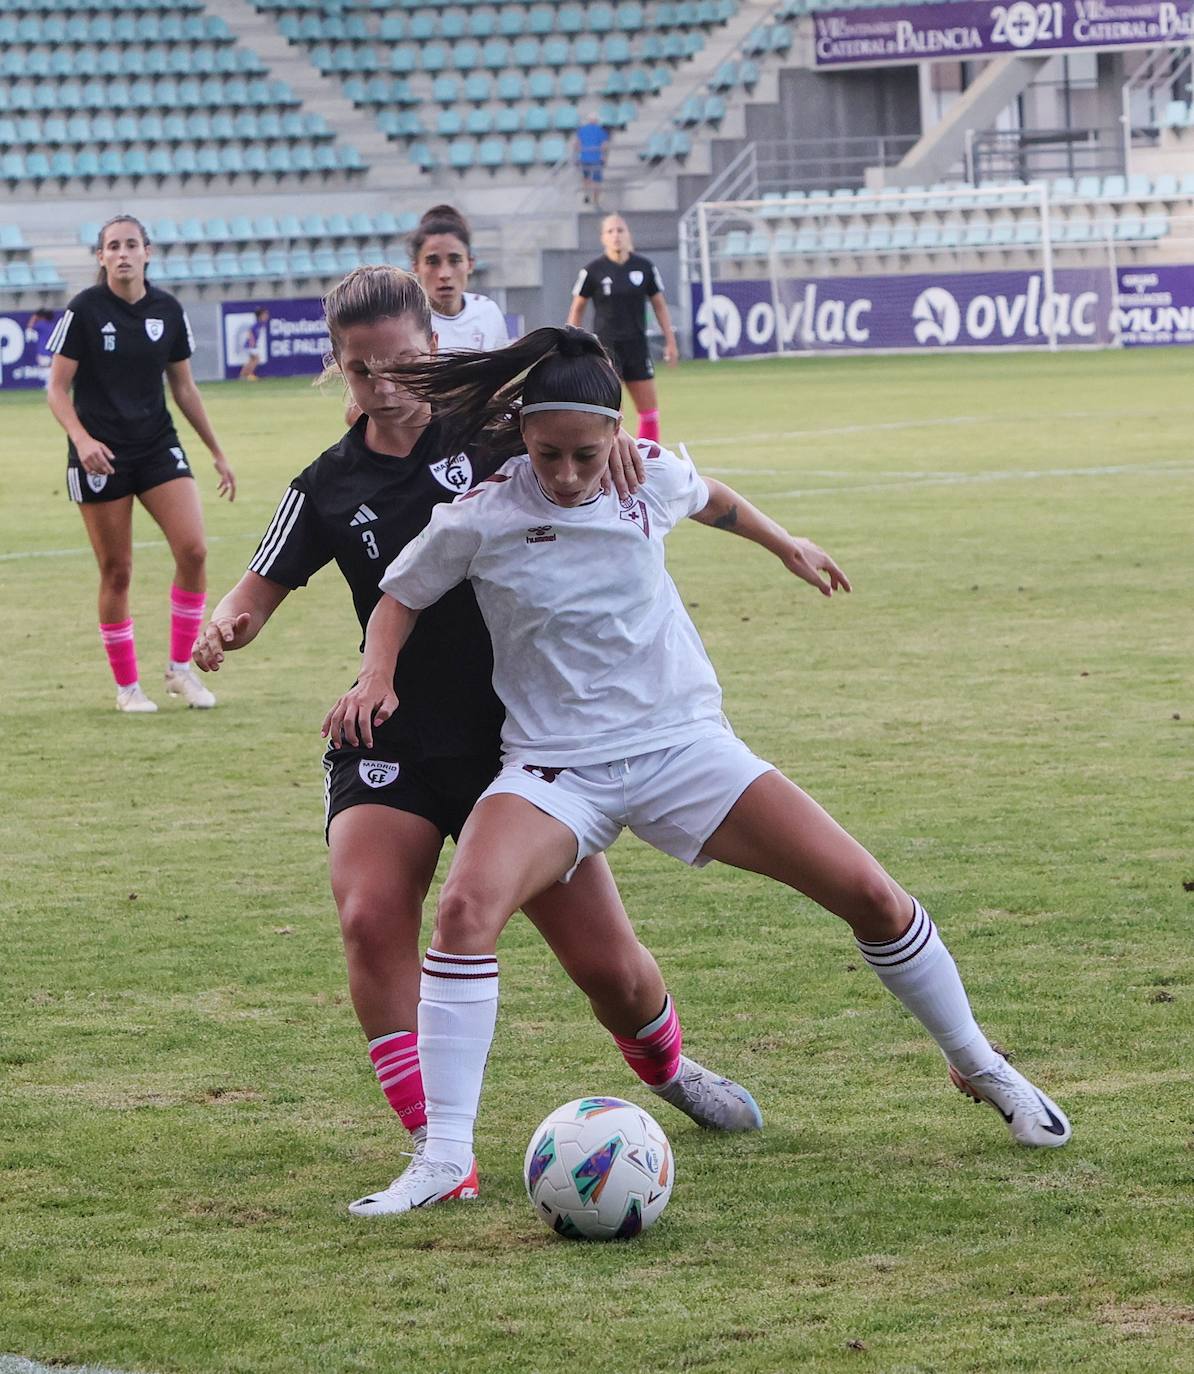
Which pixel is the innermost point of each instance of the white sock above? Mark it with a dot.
(918, 969)
(457, 1013)
(179, 667)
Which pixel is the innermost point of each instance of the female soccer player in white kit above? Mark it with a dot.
(441, 256)
(613, 718)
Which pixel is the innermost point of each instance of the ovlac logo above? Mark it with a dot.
(155, 329)
(377, 772)
(1028, 314)
(454, 473)
(936, 317)
(636, 279)
(719, 323)
(97, 481)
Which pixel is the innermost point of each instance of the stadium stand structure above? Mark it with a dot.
(273, 144)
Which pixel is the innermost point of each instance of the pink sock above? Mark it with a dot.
(654, 1053)
(186, 620)
(121, 650)
(396, 1060)
(648, 425)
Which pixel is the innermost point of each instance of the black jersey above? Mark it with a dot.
(619, 292)
(122, 351)
(361, 509)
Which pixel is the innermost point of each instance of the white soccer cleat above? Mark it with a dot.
(133, 700)
(426, 1181)
(718, 1104)
(1032, 1118)
(184, 682)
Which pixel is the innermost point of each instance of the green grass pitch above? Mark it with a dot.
(1003, 712)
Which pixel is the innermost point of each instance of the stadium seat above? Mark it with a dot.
(522, 152)
(491, 153)
(461, 154)
(19, 275)
(478, 122)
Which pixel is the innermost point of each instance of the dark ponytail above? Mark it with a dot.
(474, 392)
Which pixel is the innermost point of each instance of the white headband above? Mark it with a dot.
(572, 405)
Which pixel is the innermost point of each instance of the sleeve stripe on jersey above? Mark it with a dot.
(279, 531)
(59, 334)
(582, 277)
(186, 323)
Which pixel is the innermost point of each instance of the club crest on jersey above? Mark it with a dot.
(155, 329)
(636, 279)
(97, 481)
(541, 534)
(635, 510)
(454, 473)
(377, 772)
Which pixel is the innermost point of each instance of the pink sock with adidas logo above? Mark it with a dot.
(396, 1061)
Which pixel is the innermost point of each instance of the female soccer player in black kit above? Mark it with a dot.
(620, 283)
(390, 806)
(112, 345)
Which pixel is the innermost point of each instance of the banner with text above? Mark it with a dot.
(918, 313)
(24, 335)
(963, 28)
(273, 338)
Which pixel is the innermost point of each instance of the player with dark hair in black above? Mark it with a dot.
(621, 283)
(111, 346)
(391, 805)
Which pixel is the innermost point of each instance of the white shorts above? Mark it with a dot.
(672, 798)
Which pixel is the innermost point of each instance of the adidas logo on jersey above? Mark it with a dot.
(541, 534)
(109, 328)
(363, 516)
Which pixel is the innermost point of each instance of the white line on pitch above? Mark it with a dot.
(966, 478)
(81, 549)
(934, 422)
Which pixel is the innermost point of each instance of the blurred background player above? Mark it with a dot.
(442, 257)
(591, 142)
(111, 347)
(620, 283)
(255, 345)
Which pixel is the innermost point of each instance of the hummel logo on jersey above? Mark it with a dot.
(362, 517)
(636, 512)
(541, 534)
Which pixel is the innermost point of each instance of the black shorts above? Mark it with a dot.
(631, 359)
(131, 478)
(442, 791)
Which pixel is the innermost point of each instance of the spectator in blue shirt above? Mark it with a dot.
(592, 141)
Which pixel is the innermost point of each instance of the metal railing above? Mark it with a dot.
(1036, 154)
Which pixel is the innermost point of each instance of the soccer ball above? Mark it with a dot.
(599, 1168)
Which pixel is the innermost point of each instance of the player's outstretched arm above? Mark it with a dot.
(238, 619)
(372, 701)
(729, 511)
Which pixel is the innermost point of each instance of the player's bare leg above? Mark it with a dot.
(778, 830)
(646, 403)
(176, 508)
(109, 526)
(489, 880)
(588, 929)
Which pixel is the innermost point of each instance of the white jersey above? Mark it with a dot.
(479, 327)
(595, 657)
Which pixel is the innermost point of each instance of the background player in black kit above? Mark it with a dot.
(390, 806)
(112, 346)
(620, 283)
